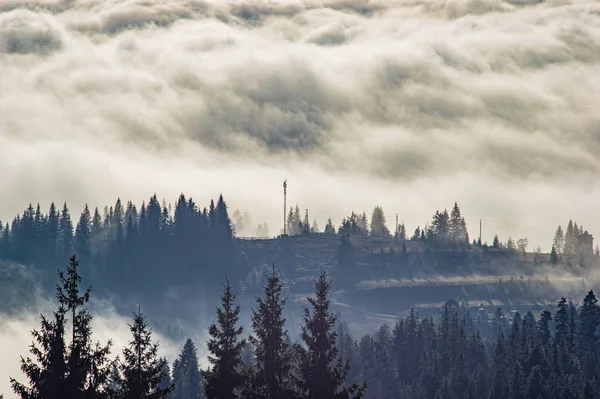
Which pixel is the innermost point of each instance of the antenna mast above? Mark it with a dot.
(284, 207)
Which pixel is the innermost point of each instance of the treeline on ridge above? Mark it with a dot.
(129, 249)
(170, 246)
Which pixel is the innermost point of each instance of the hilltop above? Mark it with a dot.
(376, 279)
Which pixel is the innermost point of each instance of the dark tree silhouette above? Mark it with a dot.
(187, 380)
(273, 378)
(142, 370)
(323, 373)
(73, 370)
(226, 377)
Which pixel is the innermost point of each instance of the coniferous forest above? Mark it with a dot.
(454, 355)
(125, 248)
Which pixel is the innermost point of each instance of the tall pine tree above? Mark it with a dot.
(226, 376)
(79, 369)
(142, 370)
(187, 381)
(323, 373)
(273, 378)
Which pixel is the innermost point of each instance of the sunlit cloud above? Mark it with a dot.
(407, 104)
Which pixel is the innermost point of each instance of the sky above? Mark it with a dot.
(409, 104)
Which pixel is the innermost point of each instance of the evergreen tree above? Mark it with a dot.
(83, 234)
(323, 372)
(188, 381)
(458, 230)
(496, 242)
(77, 370)
(517, 385)
(114, 389)
(569, 244)
(544, 328)
(226, 377)
(589, 321)
(535, 384)
(39, 226)
(273, 377)
(97, 232)
(329, 229)
(65, 232)
(402, 232)
(378, 226)
(510, 244)
(47, 373)
(559, 240)
(553, 256)
(440, 227)
(142, 370)
(167, 381)
(52, 234)
(87, 366)
(314, 228)
(562, 321)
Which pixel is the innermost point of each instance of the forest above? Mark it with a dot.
(457, 354)
(454, 355)
(176, 245)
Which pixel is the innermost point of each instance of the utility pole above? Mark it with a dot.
(480, 243)
(284, 207)
(306, 222)
(396, 225)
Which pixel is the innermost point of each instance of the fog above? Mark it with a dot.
(408, 104)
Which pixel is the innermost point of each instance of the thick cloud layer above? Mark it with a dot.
(411, 104)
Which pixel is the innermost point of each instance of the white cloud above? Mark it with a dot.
(407, 104)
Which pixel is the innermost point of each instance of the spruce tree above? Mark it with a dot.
(458, 230)
(87, 366)
(323, 373)
(496, 242)
(226, 376)
(378, 226)
(114, 389)
(559, 240)
(187, 381)
(141, 369)
(47, 373)
(562, 321)
(544, 328)
(167, 381)
(589, 321)
(517, 384)
(77, 370)
(65, 233)
(273, 377)
(535, 384)
(553, 256)
(83, 234)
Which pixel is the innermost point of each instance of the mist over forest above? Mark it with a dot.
(438, 239)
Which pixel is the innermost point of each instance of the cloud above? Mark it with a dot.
(100, 99)
(24, 32)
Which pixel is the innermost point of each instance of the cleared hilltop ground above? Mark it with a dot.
(378, 279)
(300, 257)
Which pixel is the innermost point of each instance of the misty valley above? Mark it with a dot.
(374, 312)
(436, 242)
